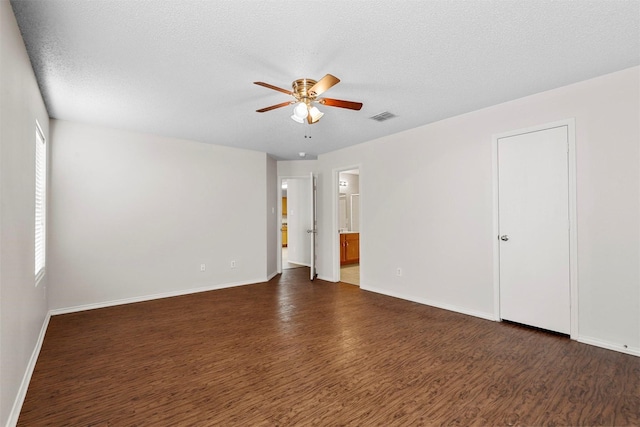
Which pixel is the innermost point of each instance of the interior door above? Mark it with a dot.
(314, 225)
(533, 200)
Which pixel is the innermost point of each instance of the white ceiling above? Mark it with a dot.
(184, 68)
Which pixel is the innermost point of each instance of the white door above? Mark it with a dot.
(533, 200)
(314, 225)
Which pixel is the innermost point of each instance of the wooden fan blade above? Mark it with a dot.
(342, 104)
(268, 86)
(273, 107)
(323, 85)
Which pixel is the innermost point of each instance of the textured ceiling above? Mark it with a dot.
(185, 68)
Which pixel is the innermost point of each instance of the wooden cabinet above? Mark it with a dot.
(284, 235)
(349, 248)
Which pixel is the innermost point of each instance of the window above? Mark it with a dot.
(41, 202)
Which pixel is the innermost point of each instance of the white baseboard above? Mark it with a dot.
(272, 275)
(26, 379)
(444, 306)
(299, 263)
(489, 316)
(143, 298)
(609, 346)
(327, 279)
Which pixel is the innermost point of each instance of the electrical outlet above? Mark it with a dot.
(398, 272)
(203, 267)
(233, 264)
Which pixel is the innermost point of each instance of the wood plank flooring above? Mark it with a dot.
(294, 352)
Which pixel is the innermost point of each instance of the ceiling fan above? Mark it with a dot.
(306, 92)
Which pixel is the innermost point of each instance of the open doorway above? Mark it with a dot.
(349, 225)
(295, 215)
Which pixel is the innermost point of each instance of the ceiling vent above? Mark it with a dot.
(381, 117)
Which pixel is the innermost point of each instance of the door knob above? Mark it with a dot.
(504, 237)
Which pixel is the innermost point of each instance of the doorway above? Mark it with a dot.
(294, 223)
(534, 223)
(349, 225)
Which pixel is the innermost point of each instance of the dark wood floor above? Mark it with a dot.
(292, 352)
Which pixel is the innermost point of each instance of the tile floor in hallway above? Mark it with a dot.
(350, 274)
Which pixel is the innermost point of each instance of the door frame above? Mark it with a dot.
(279, 207)
(573, 229)
(313, 231)
(335, 206)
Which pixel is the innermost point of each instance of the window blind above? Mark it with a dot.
(41, 194)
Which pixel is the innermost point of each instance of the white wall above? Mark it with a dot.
(134, 215)
(296, 168)
(426, 200)
(273, 226)
(23, 307)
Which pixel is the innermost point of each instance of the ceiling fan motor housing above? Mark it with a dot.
(301, 90)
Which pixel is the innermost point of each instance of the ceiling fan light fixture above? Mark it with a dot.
(315, 114)
(297, 119)
(300, 111)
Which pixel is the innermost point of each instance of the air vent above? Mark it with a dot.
(381, 117)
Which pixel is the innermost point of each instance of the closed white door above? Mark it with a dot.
(533, 199)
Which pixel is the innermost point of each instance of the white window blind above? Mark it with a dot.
(41, 195)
